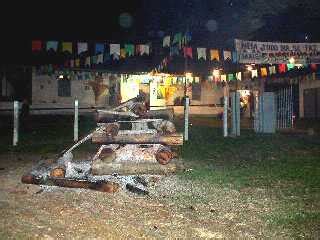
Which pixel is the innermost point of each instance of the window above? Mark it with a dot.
(64, 87)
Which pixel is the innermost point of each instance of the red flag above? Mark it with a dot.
(313, 67)
(36, 45)
(187, 51)
(282, 68)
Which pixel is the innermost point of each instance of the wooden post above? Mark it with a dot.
(225, 117)
(76, 120)
(15, 122)
(186, 119)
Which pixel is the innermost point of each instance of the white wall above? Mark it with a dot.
(45, 92)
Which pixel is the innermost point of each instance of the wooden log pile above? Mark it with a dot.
(134, 141)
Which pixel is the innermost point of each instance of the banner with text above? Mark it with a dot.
(277, 53)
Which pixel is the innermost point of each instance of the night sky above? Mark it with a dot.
(212, 23)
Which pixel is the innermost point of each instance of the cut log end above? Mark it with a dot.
(110, 187)
(164, 156)
(58, 172)
(112, 129)
(30, 179)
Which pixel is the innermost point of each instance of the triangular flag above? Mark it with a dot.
(129, 49)
(254, 73)
(238, 76)
(67, 47)
(52, 45)
(99, 48)
(227, 55)
(186, 38)
(36, 45)
(202, 53)
(144, 49)
(87, 62)
(290, 66)
(231, 77)
(174, 50)
(166, 41)
(187, 52)
(214, 55)
(264, 72)
(138, 49)
(272, 70)
(115, 51)
(100, 59)
(122, 53)
(94, 59)
(282, 68)
(234, 57)
(82, 47)
(77, 62)
(177, 39)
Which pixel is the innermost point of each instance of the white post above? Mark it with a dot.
(15, 122)
(76, 121)
(186, 119)
(225, 117)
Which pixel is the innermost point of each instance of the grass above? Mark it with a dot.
(288, 167)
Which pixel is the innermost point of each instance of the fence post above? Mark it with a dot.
(15, 122)
(186, 119)
(225, 117)
(76, 120)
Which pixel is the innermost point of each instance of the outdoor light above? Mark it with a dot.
(216, 73)
(60, 76)
(291, 60)
(188, 75)
(249, 68)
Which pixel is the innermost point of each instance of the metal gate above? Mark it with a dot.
(284, 108)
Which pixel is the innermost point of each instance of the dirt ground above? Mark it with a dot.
(175, 208)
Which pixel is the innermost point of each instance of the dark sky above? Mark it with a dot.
(54, 20)
(22, 21)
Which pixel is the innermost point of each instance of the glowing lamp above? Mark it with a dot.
(216, 73)
(249, 68)
(188, 75)
(291, 60)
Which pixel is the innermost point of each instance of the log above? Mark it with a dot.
(166, 114)
(164, 126)
(104, 116)
(164, 155)
(138, 138)
(139, 109)
(102, 186)
(112, 129)
(108, 116)
(107, 155)
(128, 168)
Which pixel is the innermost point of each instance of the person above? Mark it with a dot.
(25, 114)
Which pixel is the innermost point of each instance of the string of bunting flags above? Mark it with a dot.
(175, 45)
